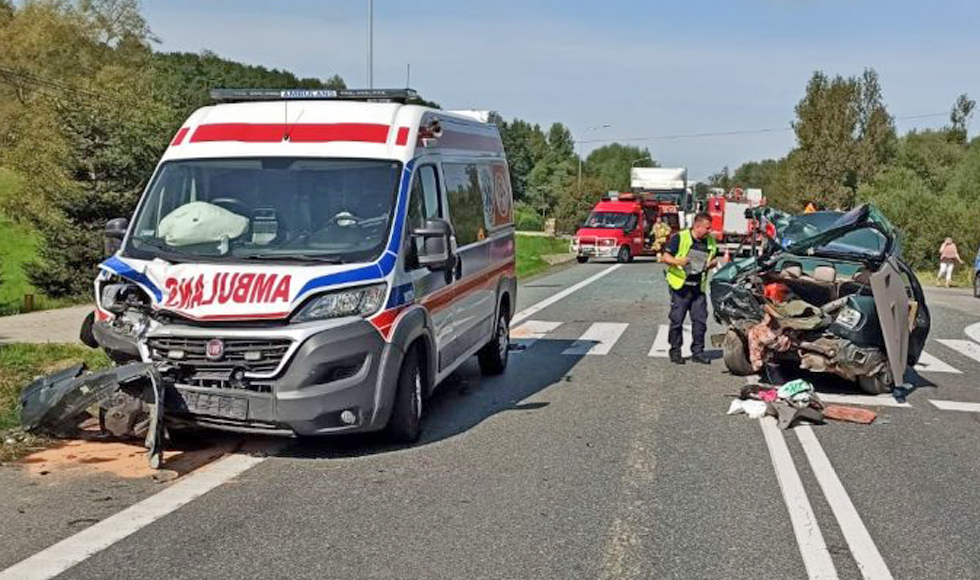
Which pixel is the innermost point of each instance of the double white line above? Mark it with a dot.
(813, 549)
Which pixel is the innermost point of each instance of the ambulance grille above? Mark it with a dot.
(253, 355)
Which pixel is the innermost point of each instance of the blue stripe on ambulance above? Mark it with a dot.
(117, 266)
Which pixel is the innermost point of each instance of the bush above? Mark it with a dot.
(526, 219)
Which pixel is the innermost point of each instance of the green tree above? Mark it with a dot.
(525, 144)
(931, 154)
(555, 173)
(960, 116)
(575, 205)
(611, 165)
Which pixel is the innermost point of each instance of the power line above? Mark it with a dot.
(731, 133)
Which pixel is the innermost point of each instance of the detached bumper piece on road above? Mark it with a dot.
(129, 399)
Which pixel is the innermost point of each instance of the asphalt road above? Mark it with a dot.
(615, 464)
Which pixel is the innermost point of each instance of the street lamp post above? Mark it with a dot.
(370, 46)
(596, 128)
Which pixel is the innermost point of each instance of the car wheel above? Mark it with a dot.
(736, 354)
(976, 285)
(582, 259)
(625, 255)
(405, 424)
(877, 384)
(493, 357)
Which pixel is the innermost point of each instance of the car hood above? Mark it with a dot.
(798, 237)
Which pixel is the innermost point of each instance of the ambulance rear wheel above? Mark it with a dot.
(582, 259)
(625, 255)
(493, 357)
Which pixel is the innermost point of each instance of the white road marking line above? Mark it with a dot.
(973, 331)
(54, 560)
(598, 339)
(810, 540)
(869, 400)
(531, 331)
(866, 554)
(661, 344)
(967, 348)
(930, 364)
(956, 406)
(532, 310)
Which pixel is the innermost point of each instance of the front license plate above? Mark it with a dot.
(223, 406)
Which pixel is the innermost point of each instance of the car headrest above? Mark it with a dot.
(825, 274)
(792, 270)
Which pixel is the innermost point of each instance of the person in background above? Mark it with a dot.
(689, 256)
(661, 231)
(948, 256)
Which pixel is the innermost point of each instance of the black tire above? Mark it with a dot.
(405, 423)
(494, 356)
(582, 259)
(976, 285)
(625, 255)
(736, 354)
(877, 385)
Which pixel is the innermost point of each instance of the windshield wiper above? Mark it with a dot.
(294, 257)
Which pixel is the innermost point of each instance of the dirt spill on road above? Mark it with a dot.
(80, 457)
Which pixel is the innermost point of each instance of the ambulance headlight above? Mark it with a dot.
(360, 301)
(848, 318)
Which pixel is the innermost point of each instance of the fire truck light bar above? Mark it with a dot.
(378, 95)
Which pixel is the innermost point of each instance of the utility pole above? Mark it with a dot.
(370, 46)
(408, 76)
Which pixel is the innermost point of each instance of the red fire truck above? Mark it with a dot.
(621, 226)
(729, 224)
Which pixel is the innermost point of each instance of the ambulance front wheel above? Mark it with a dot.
(582, 259)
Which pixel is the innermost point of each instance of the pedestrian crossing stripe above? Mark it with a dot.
(600, 338)
(967, 348)
(930, 364)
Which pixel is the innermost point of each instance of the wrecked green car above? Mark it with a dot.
(826, 292)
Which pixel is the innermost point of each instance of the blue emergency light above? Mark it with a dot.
(375, 95)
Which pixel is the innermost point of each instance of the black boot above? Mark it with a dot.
(700, 359)
(676, 358)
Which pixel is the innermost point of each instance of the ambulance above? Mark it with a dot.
(311, 262)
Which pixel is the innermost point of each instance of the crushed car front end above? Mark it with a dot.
(828, 298)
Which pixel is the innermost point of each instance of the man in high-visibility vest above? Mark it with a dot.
(689, 256)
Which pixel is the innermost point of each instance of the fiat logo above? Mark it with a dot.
(215, 349)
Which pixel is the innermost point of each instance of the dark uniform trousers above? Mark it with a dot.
(690, 298)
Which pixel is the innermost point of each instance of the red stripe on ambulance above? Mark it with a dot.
(296, 133)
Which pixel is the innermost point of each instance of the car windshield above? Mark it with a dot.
(606, 219)
(334, 210)
(861, 241)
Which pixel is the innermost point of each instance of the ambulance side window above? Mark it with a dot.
(423, 203)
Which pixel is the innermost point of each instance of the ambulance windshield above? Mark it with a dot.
(289, 209)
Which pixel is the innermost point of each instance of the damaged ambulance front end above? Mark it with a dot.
(829, 293)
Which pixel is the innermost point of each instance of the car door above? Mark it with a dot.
(433, 289)
(474, 300)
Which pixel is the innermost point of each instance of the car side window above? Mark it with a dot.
(423, 202)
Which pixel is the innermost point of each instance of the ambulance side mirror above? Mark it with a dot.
(436, 249)
(115, 231)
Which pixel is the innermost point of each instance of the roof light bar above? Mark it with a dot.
(375, 95)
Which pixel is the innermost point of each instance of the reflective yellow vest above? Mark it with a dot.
(676, 275)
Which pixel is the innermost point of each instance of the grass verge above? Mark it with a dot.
(962, 277)
(19, 365)
(531, 251)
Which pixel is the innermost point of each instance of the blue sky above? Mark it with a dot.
(648, 69)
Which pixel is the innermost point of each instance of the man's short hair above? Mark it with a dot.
(702, 217)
